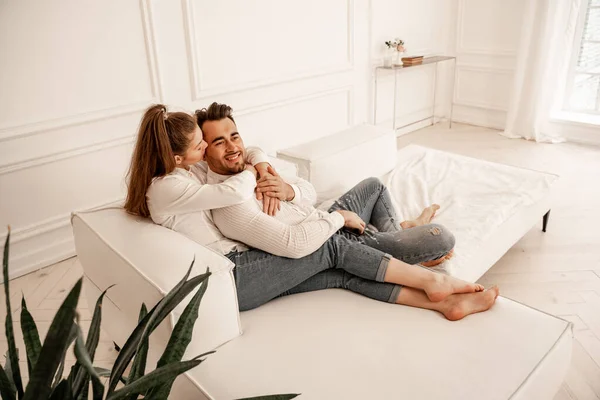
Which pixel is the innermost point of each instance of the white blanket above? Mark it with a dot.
(475, 196)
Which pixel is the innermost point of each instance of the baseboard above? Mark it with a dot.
(42, 244)
(478, 116)
(413, 121)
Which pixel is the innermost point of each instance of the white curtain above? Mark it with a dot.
(547, 41)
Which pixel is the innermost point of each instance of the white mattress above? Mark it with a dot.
(487, 206)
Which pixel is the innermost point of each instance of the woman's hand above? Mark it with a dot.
(271, 204)
(352, 221)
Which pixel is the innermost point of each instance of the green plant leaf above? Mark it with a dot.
(143, 312)
(162, 309)
(180, 338)
(138, 368)
(54, 346)
(62, 391)
(31, 336)
(156, 377)
(273, 397)
(102, 372)
(7, 390)
(58, 377)
(85, 393)
(13, 356)
(8, 371)
(79, 376)
(83, 357)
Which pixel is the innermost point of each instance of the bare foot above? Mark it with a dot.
(458, 306)
(433, 263)
(423, 219)
(442, 286)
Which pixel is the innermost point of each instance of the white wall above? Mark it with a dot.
(487, 40)
(76, 76)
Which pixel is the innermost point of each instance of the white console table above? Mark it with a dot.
(396, 69)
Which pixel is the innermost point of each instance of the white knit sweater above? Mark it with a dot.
(297, 230)
(182, 201)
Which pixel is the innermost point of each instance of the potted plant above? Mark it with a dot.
(46, 360)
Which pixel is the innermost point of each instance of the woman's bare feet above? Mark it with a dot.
(442, 286)
(433, 263)
(458, 306)
(423, 219)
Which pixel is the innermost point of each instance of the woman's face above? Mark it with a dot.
(195, 151)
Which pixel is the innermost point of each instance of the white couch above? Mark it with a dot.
(334, 344)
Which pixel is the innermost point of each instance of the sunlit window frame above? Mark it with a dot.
(585, 6)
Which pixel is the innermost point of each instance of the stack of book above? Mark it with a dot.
(407, 61)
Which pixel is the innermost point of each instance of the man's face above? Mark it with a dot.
(225, 154)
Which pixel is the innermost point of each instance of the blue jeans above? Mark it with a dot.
(347, 260)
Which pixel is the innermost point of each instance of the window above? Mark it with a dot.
(583, 83)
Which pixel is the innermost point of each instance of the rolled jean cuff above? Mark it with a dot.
(383, 266)
(395, 293)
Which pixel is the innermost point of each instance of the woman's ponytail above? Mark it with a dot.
(161, 136)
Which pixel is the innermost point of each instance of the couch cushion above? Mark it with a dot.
(145, 261)
(337, 162)
(335, 344)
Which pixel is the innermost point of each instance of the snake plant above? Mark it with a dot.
(46, 361)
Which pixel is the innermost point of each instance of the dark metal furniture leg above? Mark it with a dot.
(545, 221)
(117, 348)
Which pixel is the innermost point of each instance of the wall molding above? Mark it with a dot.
(199, 93)
(461, 48)
(12, 132)
(44, 255)
(460, 100)
(349, 89)
(62, 155)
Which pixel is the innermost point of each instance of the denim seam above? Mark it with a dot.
(383, 266)
(392, 216)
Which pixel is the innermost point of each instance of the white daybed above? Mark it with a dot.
(334, 344)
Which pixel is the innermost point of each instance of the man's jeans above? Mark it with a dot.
(347, 260)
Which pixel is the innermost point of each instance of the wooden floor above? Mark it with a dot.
(557, 271)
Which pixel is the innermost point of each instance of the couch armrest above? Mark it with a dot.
(145, 261)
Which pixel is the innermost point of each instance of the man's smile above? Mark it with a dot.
(233, 157)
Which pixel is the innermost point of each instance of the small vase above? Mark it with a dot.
(398, 58)
(389, 58)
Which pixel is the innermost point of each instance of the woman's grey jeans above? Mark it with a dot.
(347, 260)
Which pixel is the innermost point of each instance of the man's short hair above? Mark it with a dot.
(215, 112)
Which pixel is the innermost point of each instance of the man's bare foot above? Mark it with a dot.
(442, 286)
(458, 306)
(423, 219)
(440, 260)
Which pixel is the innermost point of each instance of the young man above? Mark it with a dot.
(303, 249)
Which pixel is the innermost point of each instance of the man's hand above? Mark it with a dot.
(352, 221)
(272, 185)
(270, 204)
(263, 170)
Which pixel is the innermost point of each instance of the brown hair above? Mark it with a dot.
(215, 112)
(161, 136)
